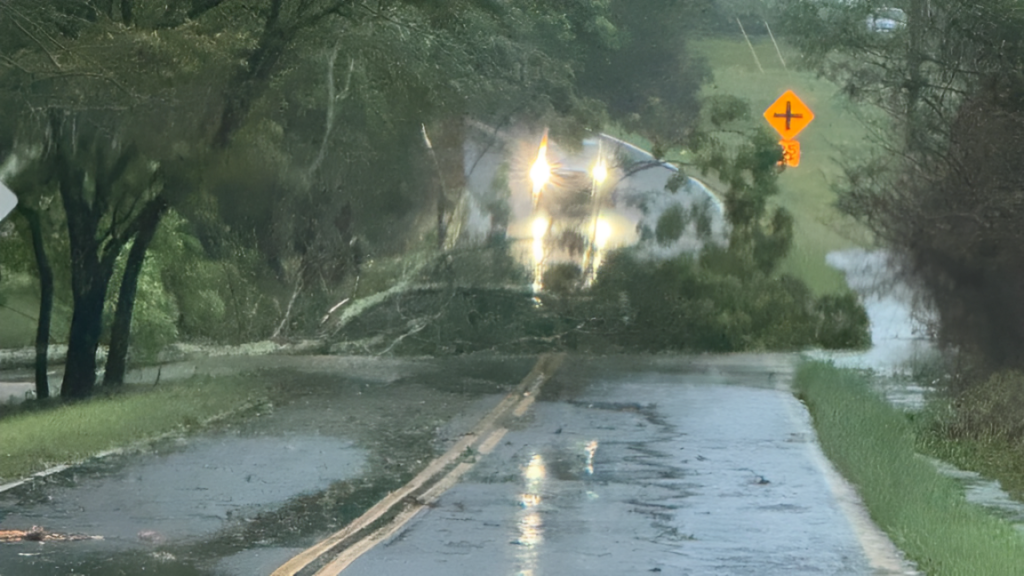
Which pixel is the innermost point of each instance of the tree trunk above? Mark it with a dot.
(90, 273)
(251, 82)
(120, 330)
(917, 25)
(45, 301)
(83, 340)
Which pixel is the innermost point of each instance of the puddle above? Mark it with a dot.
(986, 493)
(180, 492)
(241, 499)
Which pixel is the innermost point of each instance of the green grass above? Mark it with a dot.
(806, 191)
(835, 133)
(19, 308)
(19, 305)
(54, 432)
(924, 512)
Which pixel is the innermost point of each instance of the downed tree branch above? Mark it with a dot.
(39, 534)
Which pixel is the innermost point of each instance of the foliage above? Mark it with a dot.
(842, 322)
(154, 323)
(941, 192)
(923, 511)
(715, 303)
(647, 74)
(670, 225)
(988, 410)
(562, 279)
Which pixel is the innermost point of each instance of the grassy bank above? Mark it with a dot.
(836, 133)
(925, 513)
(42, 435)
(807, 191)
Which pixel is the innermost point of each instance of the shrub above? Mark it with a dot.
(842, 322)
(991, 409)
(562, 278)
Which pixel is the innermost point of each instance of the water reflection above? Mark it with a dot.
(540, 230)
(591, 449)
(530, 523)
(602, 233)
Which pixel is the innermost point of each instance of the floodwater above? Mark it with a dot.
(241, 499)
(898, 345)
(898, 336)
(682, 465)
(180, 491)
(633, 465)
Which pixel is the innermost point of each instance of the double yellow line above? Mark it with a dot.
(438, 476)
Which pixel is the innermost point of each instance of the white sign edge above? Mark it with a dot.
(8, 201)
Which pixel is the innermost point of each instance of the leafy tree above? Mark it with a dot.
(670, 225)
(941, 192)
(645, 71)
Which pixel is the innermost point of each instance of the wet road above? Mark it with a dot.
(691, 467)
(624, 465)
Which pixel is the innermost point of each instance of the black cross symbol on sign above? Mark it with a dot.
(789, 114)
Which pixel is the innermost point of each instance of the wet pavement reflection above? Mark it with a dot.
(702, 470)
(241, 499)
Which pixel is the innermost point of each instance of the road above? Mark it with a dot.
(620, 465)
(707, 466)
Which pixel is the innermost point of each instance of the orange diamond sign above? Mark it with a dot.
(788, 115)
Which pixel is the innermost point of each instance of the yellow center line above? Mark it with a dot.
(530, 385)
(491, 441)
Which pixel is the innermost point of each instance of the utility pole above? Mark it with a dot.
(917, 24)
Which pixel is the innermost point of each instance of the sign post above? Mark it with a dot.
(7, 201)
(789, 115)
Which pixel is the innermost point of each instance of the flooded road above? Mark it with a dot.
(671, 464)
(899, 335)
(699, 466)
(243, 497)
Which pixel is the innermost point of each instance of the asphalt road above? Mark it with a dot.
(621, 465)
(635, 466)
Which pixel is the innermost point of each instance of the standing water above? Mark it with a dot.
(898, 343)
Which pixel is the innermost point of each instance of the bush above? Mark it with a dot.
(562, 278)
(991, 409)
(842, 322)
(670, 225)
(719, 303)
(684, 305)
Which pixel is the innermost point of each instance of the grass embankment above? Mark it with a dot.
(37, 436)
(19, 305)
(924, 512)
(836, 133)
